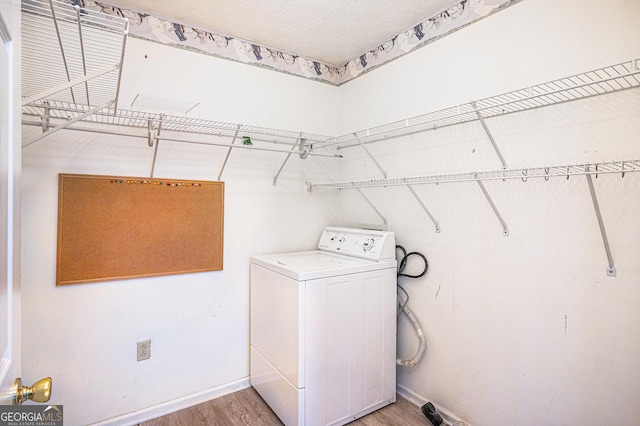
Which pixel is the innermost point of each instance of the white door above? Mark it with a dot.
(9, 210)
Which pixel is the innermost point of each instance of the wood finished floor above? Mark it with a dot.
(246, 407)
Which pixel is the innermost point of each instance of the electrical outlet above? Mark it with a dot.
(144, 350)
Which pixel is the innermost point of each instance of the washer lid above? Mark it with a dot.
(307, 265)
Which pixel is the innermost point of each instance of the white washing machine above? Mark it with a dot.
(323, 328)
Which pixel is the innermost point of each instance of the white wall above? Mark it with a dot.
(227, 91)
(525, 329)
(521, 330)
(85, 336)
(525, 44)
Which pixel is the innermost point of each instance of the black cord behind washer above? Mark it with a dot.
(401, 265)
(403, 262)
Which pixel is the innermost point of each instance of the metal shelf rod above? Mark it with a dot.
(155, 148)
(250, 147)
(122, 48)
(62, 126)
(505, 229)
(611, 269)
(275, 178)
(489, 135)
(64, 57)
(145, 135)
(82, 54)
(87, 129)
(226, 158)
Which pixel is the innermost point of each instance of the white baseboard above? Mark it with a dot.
(174, 405)
(419, 401)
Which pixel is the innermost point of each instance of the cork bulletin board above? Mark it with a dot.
(113, 228)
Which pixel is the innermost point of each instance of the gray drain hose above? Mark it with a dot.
(423, 342)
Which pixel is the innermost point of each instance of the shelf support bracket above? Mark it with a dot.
(424, 207)
(489, 135)
(67, 123)
(157, 140)
(82, 54)
(611, 269)
(119, 67)
(63, 86)
(300, 142)
(384, 220)
(226, 158)
(64, 57)
(384, 174)
(505, 229)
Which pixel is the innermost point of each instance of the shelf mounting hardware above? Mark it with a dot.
(505, 229)
(424, 207)
(303, 148)
(489, 135)
(46, 118)
(384, 219)
(151, 137)
(611, 269)
(226, 158)
(67, 123)
(155, 149)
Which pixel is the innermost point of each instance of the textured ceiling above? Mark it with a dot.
(330, 31)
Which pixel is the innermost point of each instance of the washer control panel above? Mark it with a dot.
(362, 243)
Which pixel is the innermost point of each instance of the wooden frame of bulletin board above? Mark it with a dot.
(112, 228)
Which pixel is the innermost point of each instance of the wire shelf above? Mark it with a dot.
(546, 172)
(63, 44)
(609, 79)
(180, 124)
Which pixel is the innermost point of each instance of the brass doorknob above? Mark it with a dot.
(39, 392)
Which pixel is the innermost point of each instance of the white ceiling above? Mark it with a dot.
(330, 31)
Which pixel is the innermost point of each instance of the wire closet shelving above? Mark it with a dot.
(71, 54)
(158, 121)
(72, 67)
(601, 81)
(609, 79)
(564, 170)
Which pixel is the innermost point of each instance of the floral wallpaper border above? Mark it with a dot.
(148, 27)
